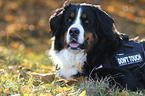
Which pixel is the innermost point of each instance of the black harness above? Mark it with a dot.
(130, 56)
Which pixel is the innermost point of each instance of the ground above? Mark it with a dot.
(17, 64)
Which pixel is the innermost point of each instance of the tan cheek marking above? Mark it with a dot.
(72, 15)
(90, 40)
(89, 37)
(65, 44)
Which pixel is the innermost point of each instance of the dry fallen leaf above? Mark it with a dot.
(124, 93)
(79, 66)
(83, 93)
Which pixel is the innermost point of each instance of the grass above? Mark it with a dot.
(17, 60)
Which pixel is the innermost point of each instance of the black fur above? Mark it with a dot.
(108, 43)
(119, 76)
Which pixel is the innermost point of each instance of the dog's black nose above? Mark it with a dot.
(74, 32)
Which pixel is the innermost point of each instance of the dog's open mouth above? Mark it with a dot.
(74, 44)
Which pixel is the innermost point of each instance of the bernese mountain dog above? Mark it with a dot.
(87, 43)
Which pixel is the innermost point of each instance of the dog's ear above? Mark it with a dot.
(55, 21)
(106, 31)
(57, 26)
(104, 23)
(67, 3)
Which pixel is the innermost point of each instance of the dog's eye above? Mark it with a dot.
(70, 20)
(86, 21)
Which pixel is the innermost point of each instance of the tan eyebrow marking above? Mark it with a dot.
(84, 16)
(72, 15)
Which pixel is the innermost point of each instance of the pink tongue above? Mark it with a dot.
(74, 45)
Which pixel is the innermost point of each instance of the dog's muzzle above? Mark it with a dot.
(74, 37)
(74, 32)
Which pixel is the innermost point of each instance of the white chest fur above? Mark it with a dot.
(68, 61)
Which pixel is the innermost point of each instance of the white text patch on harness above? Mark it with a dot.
(129, 59)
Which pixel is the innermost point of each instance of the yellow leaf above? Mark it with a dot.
(83, 93)
(48, 85)
(11, 28)
(6, 91)
(42, 66)
(12, 5)
(0, 88)
(41, 94)
(31, 94)
(22, 89)
(9, 18)
(64, 88)
(124, 93)
(47, 94)
(36, 71)
(49, 67)
(79, 66)
(23, 64)
(15, 45)
(61, 90)
(26, 94)
(17, 95)
(25, 60)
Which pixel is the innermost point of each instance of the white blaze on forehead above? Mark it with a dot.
(77, 24)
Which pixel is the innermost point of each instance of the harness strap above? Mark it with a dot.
(143, 49)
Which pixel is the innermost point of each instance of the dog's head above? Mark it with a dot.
(80, 27)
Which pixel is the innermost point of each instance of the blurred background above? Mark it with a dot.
(25, 23)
